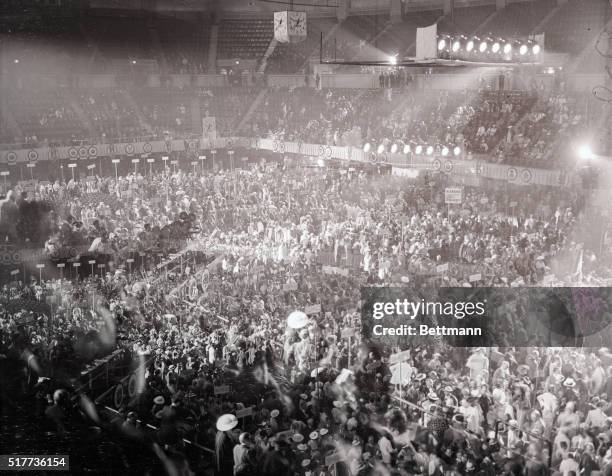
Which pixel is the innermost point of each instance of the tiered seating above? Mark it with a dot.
(109, 113)
(185, 44)
(518, 19)
(165, 110)
(121, 37)
(41, 42)
(247, 39)
(400, 38)
(227, 105)
(45, 115)
(354, 33)
(574, 25)
(493, 114)
(465, 20)
(288, 57)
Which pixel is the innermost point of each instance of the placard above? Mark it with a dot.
(221, 389)
(314, 309)
(453, 195)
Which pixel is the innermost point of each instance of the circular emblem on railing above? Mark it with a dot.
(83, 152)
(448, 166)
(32, 155)
(275, 146)
(192, 145)
(373, 158)
(512, 173)
(478, 168)
(321, 151)
(526, 175)
(11, 157)
(147, 148)
(384, 158)
(73, 153)
(437, 165)
(454, 269)
(129, 149)
(281, 147)
(93, 151)
(328, 152)
(229, 144)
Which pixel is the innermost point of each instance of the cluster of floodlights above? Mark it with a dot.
(416, 149)
(487, 49)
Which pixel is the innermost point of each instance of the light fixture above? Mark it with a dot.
(418, 150)
(469, 46)
(507, 48)
(321, 163)
(367, 147)
(393, 59)
(444, 151)
(381, 149)
(15, 61)
(585, 152)
(536, 49)
(457, 150)
(456, 46)
(496, 46)
(483, 46)
(406, 148)
(441, 44)
(523, 50)
(394, 148)
(430, 150)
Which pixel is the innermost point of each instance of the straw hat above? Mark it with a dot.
(227, 422)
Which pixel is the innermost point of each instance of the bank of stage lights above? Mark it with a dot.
(418, 149)
(488, 49)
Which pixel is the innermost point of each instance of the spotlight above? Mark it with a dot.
(367, 147)
(585, 152)
(430, 150)
(496, 46)
(456, 46)
(536, 49)
(444, 151)
(381, 149)
(441, 44)
(469, 46)
(523, 50)
(393, 59)
(406, 148)
(15, 61)
(457, 150)
(507, 48)
(321, 163)
(133, 61)
(483, 46)
(418, 150)
(394, 148)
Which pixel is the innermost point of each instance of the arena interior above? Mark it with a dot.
(199, 198)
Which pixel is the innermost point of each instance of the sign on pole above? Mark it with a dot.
(453, 195)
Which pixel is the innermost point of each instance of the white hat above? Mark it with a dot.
(298, 437)
(159, 400)
(569, 382)
(227, 422)
(432, 396)
(314, 435)
(274, 413)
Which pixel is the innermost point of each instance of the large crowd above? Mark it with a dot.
(277, 239)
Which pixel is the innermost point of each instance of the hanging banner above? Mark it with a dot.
(209, 128)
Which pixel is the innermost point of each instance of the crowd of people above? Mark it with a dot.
(216, 341)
